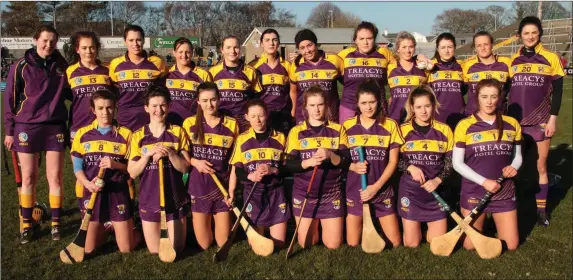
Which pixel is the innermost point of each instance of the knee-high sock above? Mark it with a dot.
(541, 197)
(27, 204)
(56, 208)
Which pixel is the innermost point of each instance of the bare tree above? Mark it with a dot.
(462, 21)
(326, 12)
(50, 9)
(128, 12)
(551, 10)
(20, 19)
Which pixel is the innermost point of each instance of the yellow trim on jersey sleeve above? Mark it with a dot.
(112, 65)
(71, 70)
(215, 70)
(553, 58)
(386, 52)
(462, 128)
(513, 122)
(205, 76)
(447, 131)
(395, 133)
(337, 61)
(292, 143)
(232, 124)
(160, 64)
(292, 73)
(349, 123)
(252, 75)
(134, 149)
(237, 155)
(466, 67)
(76, 144)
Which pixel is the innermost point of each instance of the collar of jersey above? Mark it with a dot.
(174, 68)
(240, 69)
(321, 54)
(537, 48)
(265, 59)
(308, 126)
(95, 124)
(127, 56)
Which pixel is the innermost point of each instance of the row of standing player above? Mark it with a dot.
(317, 67)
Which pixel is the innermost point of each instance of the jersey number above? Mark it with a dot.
(92, 80)
(136, 75)
(408, 82)
(425, 146)
(314, 75)
(100, 148)
(488, 76)
(448, 76)
(210, 141)
(261, 155)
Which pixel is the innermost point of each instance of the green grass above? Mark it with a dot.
(545, 253)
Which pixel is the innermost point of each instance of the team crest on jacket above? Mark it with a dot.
(329, 75)
(349, 202)
(121, 209)
(122, 75)
(225, 142)
(351, 140)
(78, 80)
(396, 80)
(301, 75)
(477, 137)
(509, 136)
(220, 83)
(116, 149)
(87, 147)
(387, 203)
(436, 75)
(149, 74)
(170, 82)
(60, 137)
(540, 69)
(352, 61)
(441, 147)
(249, 208)
(303, 143)
(276, 155)
(282, 206)
(72, 134)
(405, 202)
(333, 143)
(409, 145)
(476, 75)
(248, 156)
(336, 204)
(514, 68)
(23, 137)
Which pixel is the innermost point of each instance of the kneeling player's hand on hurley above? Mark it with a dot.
(202, 166)
(92, 187)
(509, 171)
(255, 176)
(107, 162)
(8, 142)
(431, 185)
(368, 193)
(359, 167)
(491, 186)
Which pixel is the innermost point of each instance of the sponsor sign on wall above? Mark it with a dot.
(24, 43)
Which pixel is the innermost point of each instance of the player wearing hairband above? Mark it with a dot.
(314, 67)
(447, 82)
(103, 144)
(132, 73)
(273, 72)
(426, 161)
(160, 140)
(182, 81)
(317, 142)
(258, 156)
(486, 65)
(237, 82)
(35, 112)
(535, 99)
(212, 136)
(404, 74)
(487, 146)
(381, 139)
(366, 60)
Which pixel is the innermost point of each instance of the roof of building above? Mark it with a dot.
(324, 35)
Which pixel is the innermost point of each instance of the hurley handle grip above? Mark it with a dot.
(442, 202)
(363, 179)
(17, 174)
(485, 199)
(220, 186)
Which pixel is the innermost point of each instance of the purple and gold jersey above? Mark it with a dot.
(275, 83)
(235, 88)
(377, 141)
(83, 82)
(401, 82)
(531, 79)
(446, 79)
(183, 91)
(426, 152)
(250, 152)
(484, 154)
(324, 73)
(303, 141)
(141, 142)
(216, 148)
(91, 146)
(132, 80)
(359, 67)
(474, 71)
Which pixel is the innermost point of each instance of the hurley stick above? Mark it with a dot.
(166, 251)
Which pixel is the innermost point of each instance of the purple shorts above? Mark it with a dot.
(493, 206)
(34, 138)
(382, 202)
(154, 215)
(133, 118)
(319, 208)
(211, 203)
(110, 205)
(420, 210)
(267, 207)
(537, 132)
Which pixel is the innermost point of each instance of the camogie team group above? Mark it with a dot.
(250, 125)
